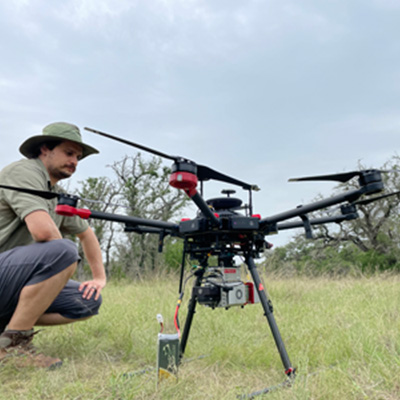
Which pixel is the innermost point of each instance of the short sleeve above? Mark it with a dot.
(27, 176)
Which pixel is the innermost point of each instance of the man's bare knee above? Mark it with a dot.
(68, 272)
(72, 267)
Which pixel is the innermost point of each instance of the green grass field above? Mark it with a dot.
(342, 335)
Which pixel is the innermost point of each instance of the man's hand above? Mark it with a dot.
(89, 288)
(92, 252)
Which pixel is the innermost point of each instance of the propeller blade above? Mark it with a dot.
(343, 177)
(367, 201)
(138, 146)
(205, 173)
(40, 193)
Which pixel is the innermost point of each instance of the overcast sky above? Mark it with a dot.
(263, 90)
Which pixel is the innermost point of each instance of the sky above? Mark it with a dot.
(263, 90)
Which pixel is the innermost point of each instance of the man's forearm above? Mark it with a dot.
(92, 251)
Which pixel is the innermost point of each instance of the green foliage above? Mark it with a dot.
(372, 261)
(310, 259)
(172, 254)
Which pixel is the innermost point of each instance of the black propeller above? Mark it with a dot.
(139, 146)
(343, 177)
(203, 173)
(41, 193)
(66, 198)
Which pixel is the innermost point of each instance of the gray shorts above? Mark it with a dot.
(28, 265)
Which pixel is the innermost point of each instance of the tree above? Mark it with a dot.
(146, 193)
(139, 188)
(103, 196)
(378, 225)
(372, 241)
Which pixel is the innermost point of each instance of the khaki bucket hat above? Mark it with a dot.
(56, 131)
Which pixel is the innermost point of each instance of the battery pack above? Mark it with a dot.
(167, 356)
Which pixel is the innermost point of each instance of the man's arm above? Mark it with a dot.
(42, 227)
(92, 251)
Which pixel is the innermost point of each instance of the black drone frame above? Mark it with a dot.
(223, 233)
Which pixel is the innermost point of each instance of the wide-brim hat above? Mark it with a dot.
(53, 132)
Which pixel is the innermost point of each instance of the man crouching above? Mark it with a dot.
(36, 263)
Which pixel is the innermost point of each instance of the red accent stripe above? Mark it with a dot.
(69, 211)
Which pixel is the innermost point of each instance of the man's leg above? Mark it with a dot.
(57, 319)
(35, 299)
(70, 306)
(32, 278)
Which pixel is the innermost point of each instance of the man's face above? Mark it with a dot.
(61, 162)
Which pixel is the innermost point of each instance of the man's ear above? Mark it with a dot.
(43, 149)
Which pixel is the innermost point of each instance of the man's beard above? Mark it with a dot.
(59, 173)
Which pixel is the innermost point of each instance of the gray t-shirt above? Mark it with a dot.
(15, 206)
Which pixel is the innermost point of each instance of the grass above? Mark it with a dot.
(342, 335)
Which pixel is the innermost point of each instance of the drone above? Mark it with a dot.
(223, 229)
